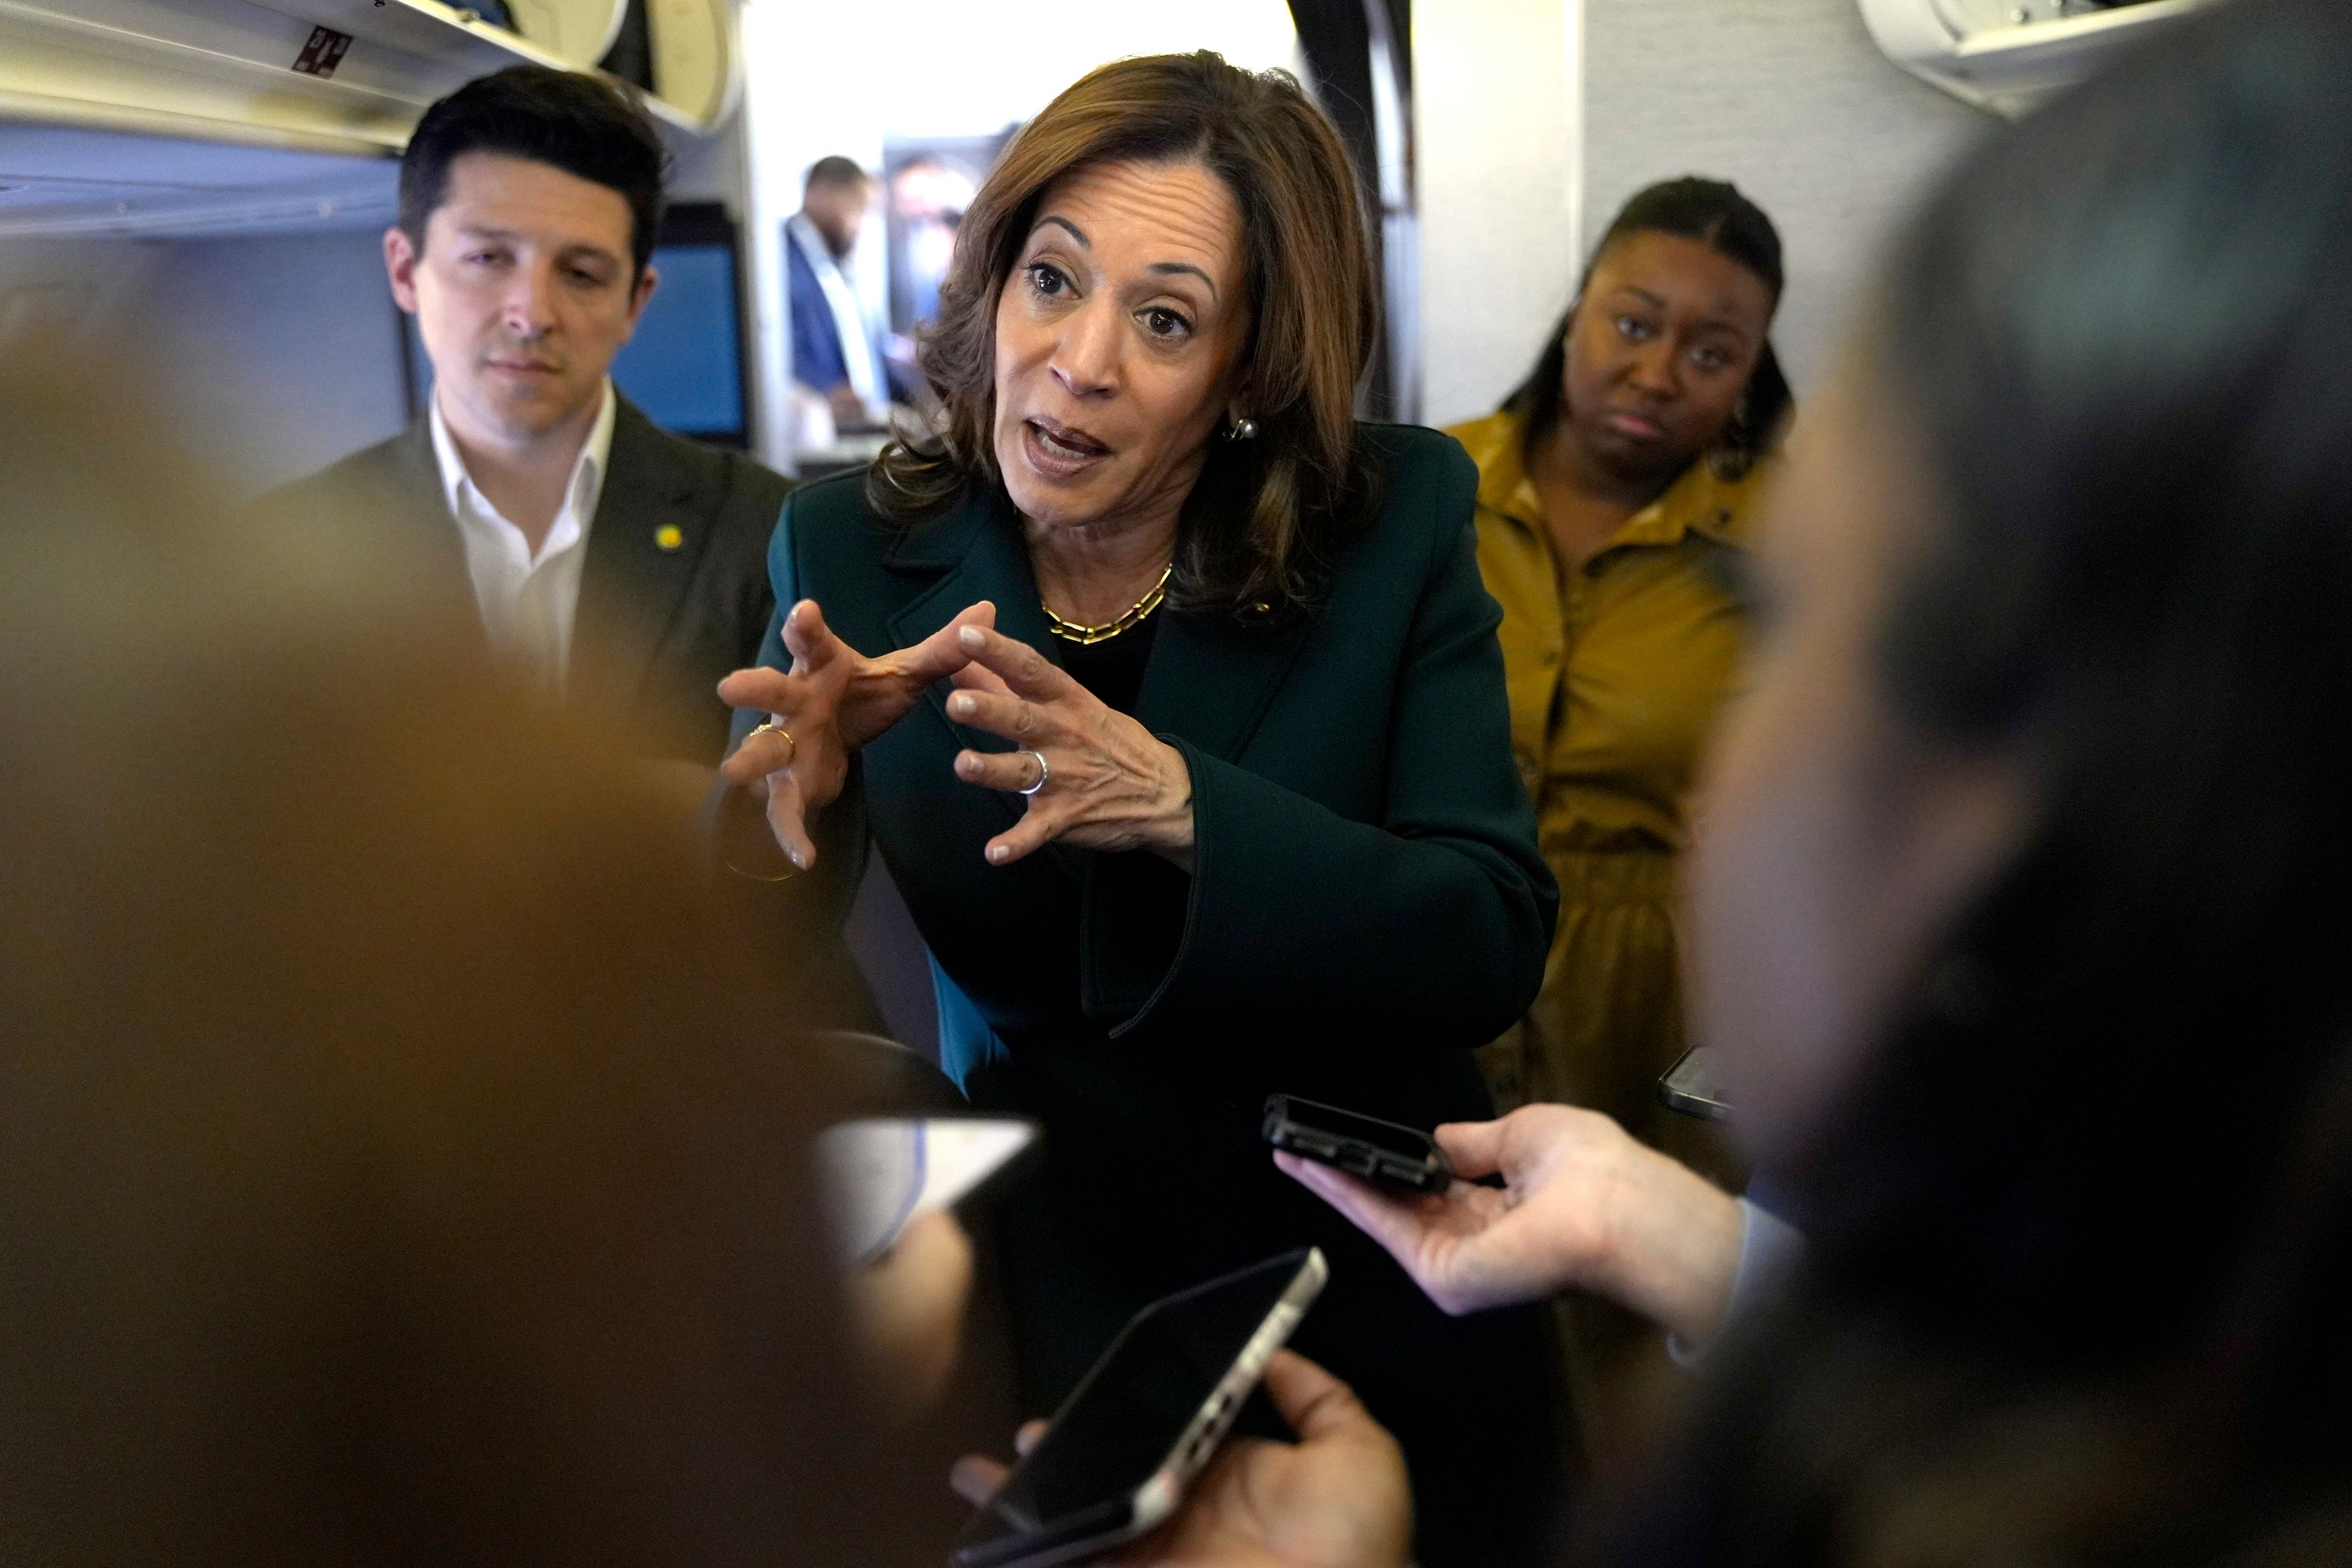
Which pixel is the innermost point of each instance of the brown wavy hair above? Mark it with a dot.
(1265, 511)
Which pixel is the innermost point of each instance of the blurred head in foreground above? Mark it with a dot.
(2026, 890)
(403, 1162)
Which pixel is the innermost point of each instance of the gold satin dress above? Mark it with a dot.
(1617, 671)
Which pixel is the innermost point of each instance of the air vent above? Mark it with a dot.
(2008, 54)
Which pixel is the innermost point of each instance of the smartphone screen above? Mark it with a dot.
(1125, 1419)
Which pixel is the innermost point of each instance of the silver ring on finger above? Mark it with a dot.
(1044, 773)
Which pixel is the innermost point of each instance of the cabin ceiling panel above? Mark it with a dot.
(60, 182)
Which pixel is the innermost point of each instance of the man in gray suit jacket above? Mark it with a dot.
(615, 562)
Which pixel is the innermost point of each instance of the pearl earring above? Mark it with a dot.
(1242, 430)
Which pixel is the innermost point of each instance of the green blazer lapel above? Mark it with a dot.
(976, 549)
(643, 549)
(1211, 678)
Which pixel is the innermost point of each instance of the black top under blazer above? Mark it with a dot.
(1367, 904)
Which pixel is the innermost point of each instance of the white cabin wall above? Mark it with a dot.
(283, 350)
(1495, 93)
(1790, 101)
(270, 356)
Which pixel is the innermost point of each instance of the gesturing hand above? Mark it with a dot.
(1336, 1498)
(1584, 1207)
(832, 702)
(1106, 782)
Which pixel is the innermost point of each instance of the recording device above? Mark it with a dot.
(1384, 1152)
(879, 1172)
(1692, 1086)
(1118, 1454)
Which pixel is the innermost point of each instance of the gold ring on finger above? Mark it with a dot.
(764, 727)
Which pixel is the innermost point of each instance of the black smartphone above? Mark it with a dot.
(1385, 1152)
(1117, 1455)
(1691, 1086)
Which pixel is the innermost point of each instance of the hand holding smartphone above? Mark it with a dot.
(1117, 1455)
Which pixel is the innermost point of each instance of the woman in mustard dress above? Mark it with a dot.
(1617, 491)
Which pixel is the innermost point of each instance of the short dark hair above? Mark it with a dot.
(580, 124)
(835, 171)
(1719, 215)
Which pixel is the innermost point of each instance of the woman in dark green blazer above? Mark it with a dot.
(1171, 699)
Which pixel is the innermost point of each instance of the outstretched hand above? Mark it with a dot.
(1095, 777)
(1583, 1206)
(832, 702)
(1337, 1498)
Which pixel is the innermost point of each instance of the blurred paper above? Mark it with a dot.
(880, 1172)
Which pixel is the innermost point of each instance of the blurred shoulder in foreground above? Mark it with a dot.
(405, 1141)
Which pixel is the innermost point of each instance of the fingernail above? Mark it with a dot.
(960, 705)
(970, 638)
(967, 764)
(998, 854)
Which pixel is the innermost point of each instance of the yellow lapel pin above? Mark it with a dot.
(668, 536)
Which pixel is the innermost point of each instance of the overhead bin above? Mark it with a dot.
(575, 33)
(697, 67)
(350, 75)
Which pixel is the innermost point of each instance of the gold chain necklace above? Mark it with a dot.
(1134, 615)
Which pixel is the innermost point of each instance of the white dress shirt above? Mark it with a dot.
(527, 601)
(848, 316)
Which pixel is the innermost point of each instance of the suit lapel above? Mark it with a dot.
(1211, 679)
(977, 552)
(631, 588)
(420, 505)
(976, 549)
